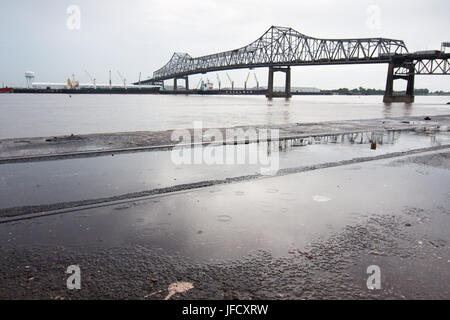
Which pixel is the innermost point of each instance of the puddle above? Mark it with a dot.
(205, 225)
(37, 183)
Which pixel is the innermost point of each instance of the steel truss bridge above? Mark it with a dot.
(279, 48)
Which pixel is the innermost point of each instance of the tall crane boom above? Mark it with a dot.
(257, 82)
(231, 81)
(246, 80)
(92, 79)
(198, 84)
(123, 79)
(218, 80)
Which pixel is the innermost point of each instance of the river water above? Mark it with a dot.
(28, 115)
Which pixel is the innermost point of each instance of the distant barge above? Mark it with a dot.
(114, 90)
(237, 92)
(216, 91)
(146, 90)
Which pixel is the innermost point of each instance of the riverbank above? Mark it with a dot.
(271, 241)
(75, 146)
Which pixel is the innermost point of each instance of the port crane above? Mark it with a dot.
(231, 81)
(73, 84)
(123, 79)
(199, 82)
(218, 80)
(246, 80)
(92, 79)
(257, 82)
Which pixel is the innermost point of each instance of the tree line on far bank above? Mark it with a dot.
(367, 92)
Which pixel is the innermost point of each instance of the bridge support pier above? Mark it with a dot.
(408, 97)
(287, 90)
(186, 81)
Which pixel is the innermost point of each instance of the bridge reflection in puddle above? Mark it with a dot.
(49, 182)
(391, 137)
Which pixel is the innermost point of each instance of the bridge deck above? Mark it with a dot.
(285, 47)
(280, 46)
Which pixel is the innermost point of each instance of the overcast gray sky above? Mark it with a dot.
(141, 35)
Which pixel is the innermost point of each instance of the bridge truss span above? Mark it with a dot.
(285, 47)
(279, 48)
(407, 66)
(432, 64)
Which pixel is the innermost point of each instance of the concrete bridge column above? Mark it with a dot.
(287, 90)
(410, 85)
(408, 97)
(389, 92)
(186, 82)
(270, 83)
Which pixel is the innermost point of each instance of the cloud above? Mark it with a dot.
(140, 36)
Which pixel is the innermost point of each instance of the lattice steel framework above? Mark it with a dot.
(285, 47)
(437, 64)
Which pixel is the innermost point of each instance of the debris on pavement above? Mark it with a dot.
(178, 287)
